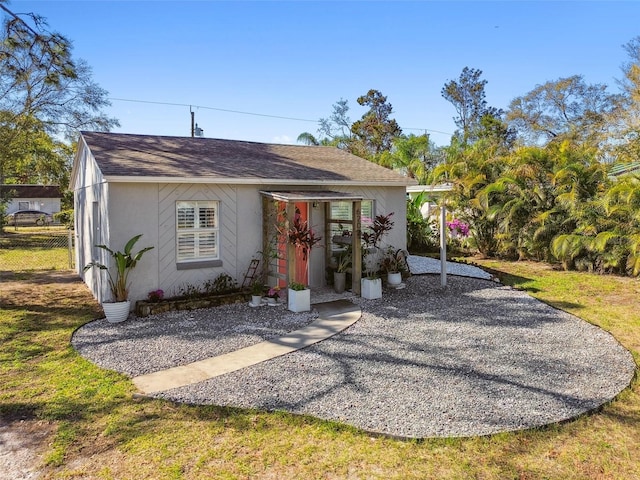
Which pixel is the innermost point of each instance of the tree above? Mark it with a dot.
(42, 92)
(470, 168)
(334, 131)
(467, 96)
(375, 131)
(414, 155)
(625, 121)
(564, 109)
(337, 128)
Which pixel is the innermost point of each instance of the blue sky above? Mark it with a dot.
(295, 59)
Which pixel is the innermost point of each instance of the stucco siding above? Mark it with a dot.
(133, 210)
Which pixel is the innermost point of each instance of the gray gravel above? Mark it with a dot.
(144, 345)
(476, 358)
(420, 265)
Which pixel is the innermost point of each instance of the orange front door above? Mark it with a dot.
(301, 264)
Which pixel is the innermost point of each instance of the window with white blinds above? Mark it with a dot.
(342, 211)
(197, 231)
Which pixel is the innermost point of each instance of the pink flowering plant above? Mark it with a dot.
(274, 292)
(156, 295)
(458, 228)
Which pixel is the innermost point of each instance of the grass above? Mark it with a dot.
(101, 431)
(34, 248)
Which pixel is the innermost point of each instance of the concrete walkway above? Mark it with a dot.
(333, 318)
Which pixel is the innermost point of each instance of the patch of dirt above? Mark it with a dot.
(22, 443)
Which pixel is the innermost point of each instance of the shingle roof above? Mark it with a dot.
(623, 168)
(31, 191)
(126, 155)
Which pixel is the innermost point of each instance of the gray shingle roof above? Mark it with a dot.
(623, 168)
(31, 191)
(126, 155)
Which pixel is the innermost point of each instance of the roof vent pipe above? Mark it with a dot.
(195, 130)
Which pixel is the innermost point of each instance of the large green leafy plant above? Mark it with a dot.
(125, 261)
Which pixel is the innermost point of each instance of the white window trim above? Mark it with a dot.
(198, 261)
(347, 221)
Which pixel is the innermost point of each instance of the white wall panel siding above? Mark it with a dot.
(49, 205)
(90, 229)
(171, 280)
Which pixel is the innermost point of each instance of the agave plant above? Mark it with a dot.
(125, 261)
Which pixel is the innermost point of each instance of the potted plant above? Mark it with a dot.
(301, 235)
(393, 264)
(303, 238)
(125, 261)
(273, 295)
(343, 263)
(299, 297)
(257, 290)
(371, 285)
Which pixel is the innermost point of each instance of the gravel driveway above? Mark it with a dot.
(473, 359)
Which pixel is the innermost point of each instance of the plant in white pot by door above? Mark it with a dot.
(298, 297)
(303, 238)
(257, 290)
(125, 261)
(371, 285)
(394, 264)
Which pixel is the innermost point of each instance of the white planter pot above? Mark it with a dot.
(116, 312)
(299, 300)
(371, 288)
(394, 278)
(256, 300)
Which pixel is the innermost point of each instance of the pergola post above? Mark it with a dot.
(443, 245)
(266, 206)
(356, 246)
(291, 249)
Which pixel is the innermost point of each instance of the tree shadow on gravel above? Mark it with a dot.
(493, 348)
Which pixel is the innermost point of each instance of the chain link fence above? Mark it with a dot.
(28, 248)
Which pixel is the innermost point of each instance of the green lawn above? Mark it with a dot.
(101, 431)
(34, 248)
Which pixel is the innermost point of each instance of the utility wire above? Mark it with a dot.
(214, 108)
(248, 113)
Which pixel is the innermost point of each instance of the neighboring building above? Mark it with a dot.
(432, 195)
(45, 198)
(207, 205)
(620, 169)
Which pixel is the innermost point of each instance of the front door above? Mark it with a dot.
(301, 263)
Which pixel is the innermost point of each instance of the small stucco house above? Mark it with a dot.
(45, 198)
(209, 206)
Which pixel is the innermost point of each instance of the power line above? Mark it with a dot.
(248, 113)
(215, 108)
(426, 130)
